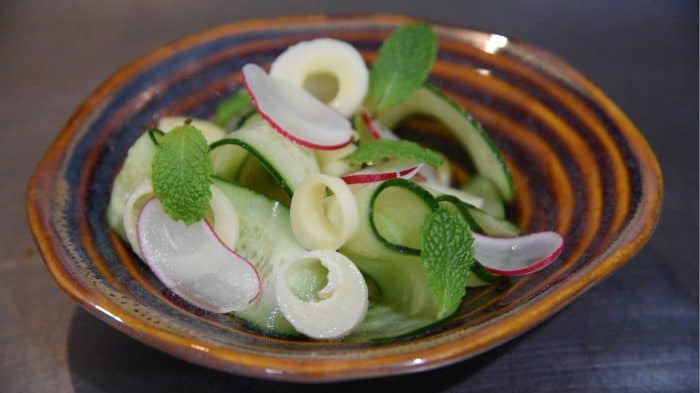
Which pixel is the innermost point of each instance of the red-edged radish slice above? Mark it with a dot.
(295, 113)
(376, 129)
(301, 63)
(194, 263)
(384, 171)
(426, 173)
(516, 256)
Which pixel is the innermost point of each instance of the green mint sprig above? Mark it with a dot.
(447, 255)
(182, 171)
(377, 150)
(403, 64)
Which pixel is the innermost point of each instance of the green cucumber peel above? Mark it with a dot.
(462, 207)
(484, 188)
(484, 274)
(155, 134)
(410, 186)
(231, 110)
(507, 195)
(244, 118)
(265, 163)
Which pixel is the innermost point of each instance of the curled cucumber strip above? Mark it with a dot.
(225, 218)
(469, 199)
(310, 223)
(338, 308)
(425, 198)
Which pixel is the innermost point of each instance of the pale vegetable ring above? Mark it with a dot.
(225, 217)
(310, 223)
(341, 305)
(326, 56)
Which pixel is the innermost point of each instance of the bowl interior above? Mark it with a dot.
(580, 168)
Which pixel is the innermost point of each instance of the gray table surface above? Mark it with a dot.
(635, 332)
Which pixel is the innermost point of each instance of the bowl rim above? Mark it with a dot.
(507, 327)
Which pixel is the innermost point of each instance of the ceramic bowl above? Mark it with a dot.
(580, 167)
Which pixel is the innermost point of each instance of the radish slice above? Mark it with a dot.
(427, 173)
(295, 113)
(517, 255)
(384, 171)
(376, 129)
(194, 263)
(225, 216)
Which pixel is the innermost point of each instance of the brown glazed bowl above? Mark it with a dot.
(580, 167)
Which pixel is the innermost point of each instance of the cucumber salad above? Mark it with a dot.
(297, 209)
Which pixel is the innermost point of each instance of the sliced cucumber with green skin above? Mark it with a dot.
(245, 117)
(429, 101)
(479, 220)
(155, 135)
(136, 169)
(478, 275)
(383, 323)
(266, 240)
(458, 205)
(493, 226)
(400, 277)
(386, 215)
(287, 162)
(484, 188)
(402, 282)
(231, 110)
(228, 161)
(255, 176)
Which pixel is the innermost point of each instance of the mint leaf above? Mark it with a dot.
(403, 64)
(447, 255)
(233, 108)
(385, 148)
(182, 172)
